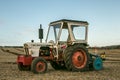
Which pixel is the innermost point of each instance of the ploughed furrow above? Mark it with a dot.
(20, 49)
(6, 50)
(8, 62)
(6, 57)
(112, 59)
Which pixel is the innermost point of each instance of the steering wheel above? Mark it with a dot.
(51, 41)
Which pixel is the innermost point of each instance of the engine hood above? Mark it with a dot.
(36, 44)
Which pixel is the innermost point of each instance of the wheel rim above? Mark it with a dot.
(79, 58)
(40, 67)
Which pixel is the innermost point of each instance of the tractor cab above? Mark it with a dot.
(67, 31)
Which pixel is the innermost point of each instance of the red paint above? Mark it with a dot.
(25, 60)
(79, 59)
(40, 67)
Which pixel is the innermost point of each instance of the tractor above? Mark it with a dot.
(65, 47)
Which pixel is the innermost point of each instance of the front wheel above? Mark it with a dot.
(39, 65)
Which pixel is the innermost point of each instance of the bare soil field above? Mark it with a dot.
(9, 70)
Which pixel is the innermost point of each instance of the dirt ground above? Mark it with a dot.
(9, 70)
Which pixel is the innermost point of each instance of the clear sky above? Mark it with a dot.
(20, 19)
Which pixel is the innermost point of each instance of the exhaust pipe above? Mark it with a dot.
(40, 33)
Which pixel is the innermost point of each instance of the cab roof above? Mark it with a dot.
(69, 21)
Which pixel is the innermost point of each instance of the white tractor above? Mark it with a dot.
(64, 47)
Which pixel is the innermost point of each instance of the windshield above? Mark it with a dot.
(64, 34)
(79, 32)
(54, 32)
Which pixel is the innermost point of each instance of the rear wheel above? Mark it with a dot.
(39, 65)
(22, 67)
(76, 58)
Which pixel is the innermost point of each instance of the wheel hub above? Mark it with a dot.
(40, 66)
(79, 59)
